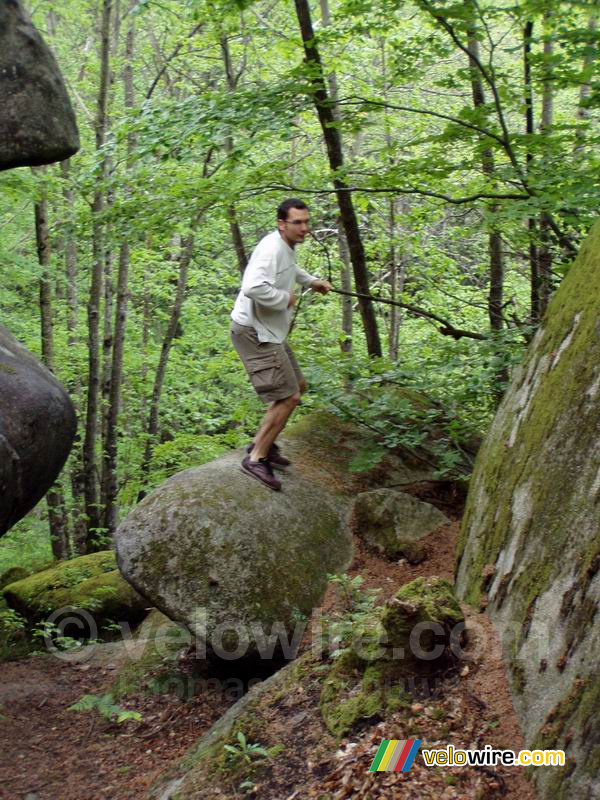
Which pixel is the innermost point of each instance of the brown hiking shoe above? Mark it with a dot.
(275, 456)
(262, 471)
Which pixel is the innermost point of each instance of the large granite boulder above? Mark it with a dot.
(530, 545)
(37, 428)
(232, 560)
(395, 523)
(37, 124)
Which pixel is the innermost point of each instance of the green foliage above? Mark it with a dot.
(26, 545)
(244, 752)
(413, 141)
(344, 624)
(105, 706)
(51, 632)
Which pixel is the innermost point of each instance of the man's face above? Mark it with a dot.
(295, 228)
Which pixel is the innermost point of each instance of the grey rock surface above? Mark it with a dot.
(530, 541)
(234, 561)
(37, 428)
(395, 523)
(37, 124)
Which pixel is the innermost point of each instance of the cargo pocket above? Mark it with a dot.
(265, 372)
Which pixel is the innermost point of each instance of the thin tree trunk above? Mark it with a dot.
(234, 226)
(110, 450)
(344, 251)
(496, 259)
(531, 222)
(586, 87)
(496, 292)
(346, 281)
(77, 475)
(93, 309)
(544, 252)
(107, 324)
(185, 257)
(58, 524)
(333, 143)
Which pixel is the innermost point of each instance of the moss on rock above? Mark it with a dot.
(151, 662)
(410, 638)
(11, 575)
(90, 582)
(237, 564)
(532, 519)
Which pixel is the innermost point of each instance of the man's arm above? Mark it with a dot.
(309, 281)
(321, 286)
(258, 283)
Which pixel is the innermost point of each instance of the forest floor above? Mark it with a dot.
(51, 753)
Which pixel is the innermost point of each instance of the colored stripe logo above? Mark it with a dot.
(395, 755)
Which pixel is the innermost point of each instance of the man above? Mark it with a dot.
(260, 324)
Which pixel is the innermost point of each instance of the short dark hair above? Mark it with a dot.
(291, 202)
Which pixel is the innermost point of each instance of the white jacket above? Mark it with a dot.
(269, 278)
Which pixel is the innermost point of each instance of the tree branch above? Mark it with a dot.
(447, 328)
(355, 100)
(392, 190)
(173, 55)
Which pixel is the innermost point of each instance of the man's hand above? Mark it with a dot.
(322, 287)
(292, 300)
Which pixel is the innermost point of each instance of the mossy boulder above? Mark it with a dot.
(37, 428)
(11, 575)
(237, 563)
(37, 124)
(149, 660)
(91, 583)
(396, 650)
(395, 523)
(530, 540)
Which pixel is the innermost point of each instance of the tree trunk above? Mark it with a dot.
(346, 282)
(77, 474)
(531, 222)
(586, 88)
(57, 519)
(333, 143)
(496, 259)
(93, 308)
(234, 226)
(185, 257)
(544, 252)
(110, 485)
(496, 292)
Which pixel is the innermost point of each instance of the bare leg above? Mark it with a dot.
(273, 423)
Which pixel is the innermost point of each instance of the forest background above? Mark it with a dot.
(449, 155)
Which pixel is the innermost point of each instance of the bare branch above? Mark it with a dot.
(447, 328)
(392, 190)
(354, 100)
(170, 58)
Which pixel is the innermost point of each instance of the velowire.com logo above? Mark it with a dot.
(395, 755)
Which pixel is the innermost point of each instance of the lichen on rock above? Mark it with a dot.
(241, 566)
(530, 544)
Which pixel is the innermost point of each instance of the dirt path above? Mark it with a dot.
(50, 753)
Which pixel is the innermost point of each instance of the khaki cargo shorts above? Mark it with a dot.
(272, 368)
